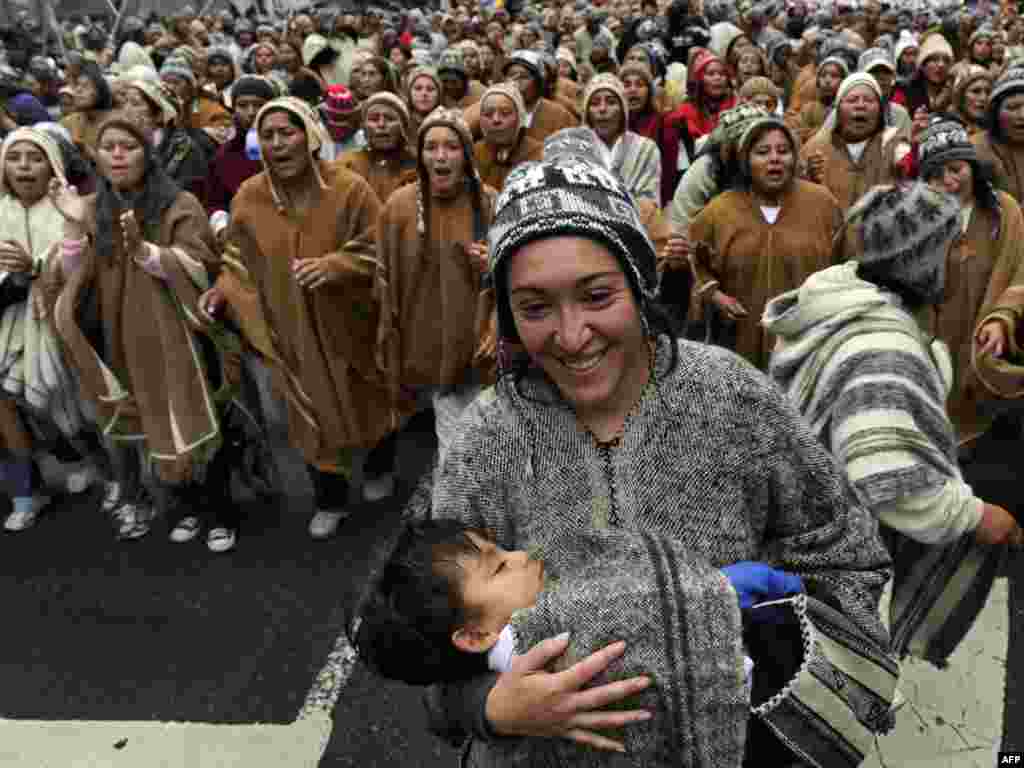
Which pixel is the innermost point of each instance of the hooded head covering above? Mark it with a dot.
(511, 92)
(415, 75)
(906, 231)
(316, 137)
(159, 96)
(570, 193)
(449, 118)
(964, 80)
(38, 138)
(605, 82)
(531, 60)
(758, 86)
(386, 99)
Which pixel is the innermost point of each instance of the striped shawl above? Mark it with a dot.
(873, 388)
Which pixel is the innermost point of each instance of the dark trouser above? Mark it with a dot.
(330, 491)
(21, 477)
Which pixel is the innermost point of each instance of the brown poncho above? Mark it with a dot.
(1007, 161)
(849, 179)
(324, 339)
(738, 251)
(131, 339)
(434, 309)
(384, 173)
(494, 164)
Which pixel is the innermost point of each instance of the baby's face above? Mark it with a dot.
(496, 583)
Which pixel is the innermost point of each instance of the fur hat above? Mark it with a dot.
(906, 231)
(570, 193)
(943, 140)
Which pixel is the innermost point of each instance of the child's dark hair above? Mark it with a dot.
(407, 621)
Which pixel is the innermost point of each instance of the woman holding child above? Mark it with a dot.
(603, 422)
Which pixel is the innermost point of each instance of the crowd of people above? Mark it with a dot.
(736, 285)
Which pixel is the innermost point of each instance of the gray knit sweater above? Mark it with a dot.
(715, 458)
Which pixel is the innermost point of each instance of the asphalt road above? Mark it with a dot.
(94, 629)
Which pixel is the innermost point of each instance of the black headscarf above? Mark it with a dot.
(104, 97)
(157, 194)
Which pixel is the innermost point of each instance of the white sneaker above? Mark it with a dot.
(325, 522)
(221, 540)
(132, 521)
(81, 480)
(186, 530)
(19, 520)
(380, 487)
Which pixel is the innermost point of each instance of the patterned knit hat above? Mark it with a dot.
(734, 122)
(943, 140)
(1010, 82)
(906, 231)
(339, 101)
(570, 193)
(605, 82)
(451, 61)
(531, 61)
(875, 57)
(178, 67)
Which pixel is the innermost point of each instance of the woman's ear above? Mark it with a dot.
(473, 640)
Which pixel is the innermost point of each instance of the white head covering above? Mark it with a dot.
(38, 138)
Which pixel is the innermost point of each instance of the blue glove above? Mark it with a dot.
(757, 582)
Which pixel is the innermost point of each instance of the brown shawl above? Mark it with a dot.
(494, 168)
(131, 339)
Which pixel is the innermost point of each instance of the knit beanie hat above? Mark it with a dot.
(839, 61)
(176, 66)
(934, 45)
(253, 85)
(511, 92)
(733, 123)
(219, 53)
(339, 101)
(854, 80)
(984, 32)
(943, 140)
(905, 232)
(906, 40)
(1008, 83)
(758, 86)
(160, 96)
(451, 61)
(875, 57)
(605, 82)
(385, 99)
(40, 139)
(967, 76)
(529, 59)
(415, 75)
(570, 193)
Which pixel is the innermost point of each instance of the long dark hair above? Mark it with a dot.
(157, 194)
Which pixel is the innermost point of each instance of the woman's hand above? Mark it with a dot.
(816, 166)
(66, 200)
(477, 253)
(677, 252)
(311, 274)
(992, 338)
(131, 233)
(997, 526)
(527, 701)
(212, 304)
(728, 305)
(14, 258)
